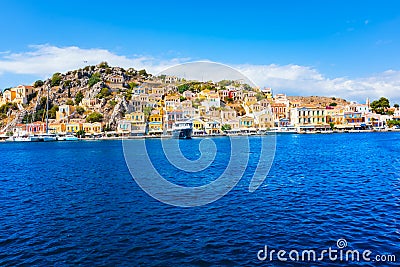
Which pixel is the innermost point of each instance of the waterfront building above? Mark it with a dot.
(212, 127)
(94, 128)
(264, 119)
(280, 110)
(73, 127)
(137, 123)
(124, 127)
(246, 122)
(234, 124)
(309, 118)
(57, 127)
(198, 126)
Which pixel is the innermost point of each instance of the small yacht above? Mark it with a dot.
(48, 137)
(24, 138)
(68, 137)
(182, 130)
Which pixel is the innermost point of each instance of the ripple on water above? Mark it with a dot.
(76, 204)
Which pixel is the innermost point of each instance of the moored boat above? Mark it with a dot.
(182, 130)
(48, 137)
(68, 137)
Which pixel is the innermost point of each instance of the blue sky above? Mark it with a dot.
(339, 41)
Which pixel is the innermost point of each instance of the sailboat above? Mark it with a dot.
(48, 137)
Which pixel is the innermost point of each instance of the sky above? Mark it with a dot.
(338, 48)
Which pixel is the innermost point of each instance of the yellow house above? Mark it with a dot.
(155, 118)
(57, 127)
(204, 93)
(250, 100)
(137, 122)
(198, 125)
(135, 117)
(73, 127)
(9, 96)
(155, 127)
(19, 94)
(92, 128)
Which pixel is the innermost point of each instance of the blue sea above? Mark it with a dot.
(76, 203)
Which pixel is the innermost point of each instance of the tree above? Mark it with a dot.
(95, 78)
(53, 111)
(391, 123)
(56, 79)
(260, 96)
(80, 134)
(183, 87)
(112, 103)
(333, 104)
(226, 127)
(104, 93)
(103, 65)
(69, 102)
(38, 83)
(332, 125)
(80, 110)
(78, 98)
(396, 106)
(147, 111)
(67, 83)
(132, 85)
(143, 73)
(379, 106)
(94, 117)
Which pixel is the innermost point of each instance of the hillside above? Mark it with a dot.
(318, 100)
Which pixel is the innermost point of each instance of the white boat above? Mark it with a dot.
(182, 130)
(24, 138)
(48, 137)
(68, 137)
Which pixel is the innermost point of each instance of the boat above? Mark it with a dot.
(24, 138)
(182, 130)
(48, 137)
(68, 137)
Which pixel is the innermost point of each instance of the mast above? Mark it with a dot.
(47, 110)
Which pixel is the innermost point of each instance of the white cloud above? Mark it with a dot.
(44, 60)
(302, 80)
